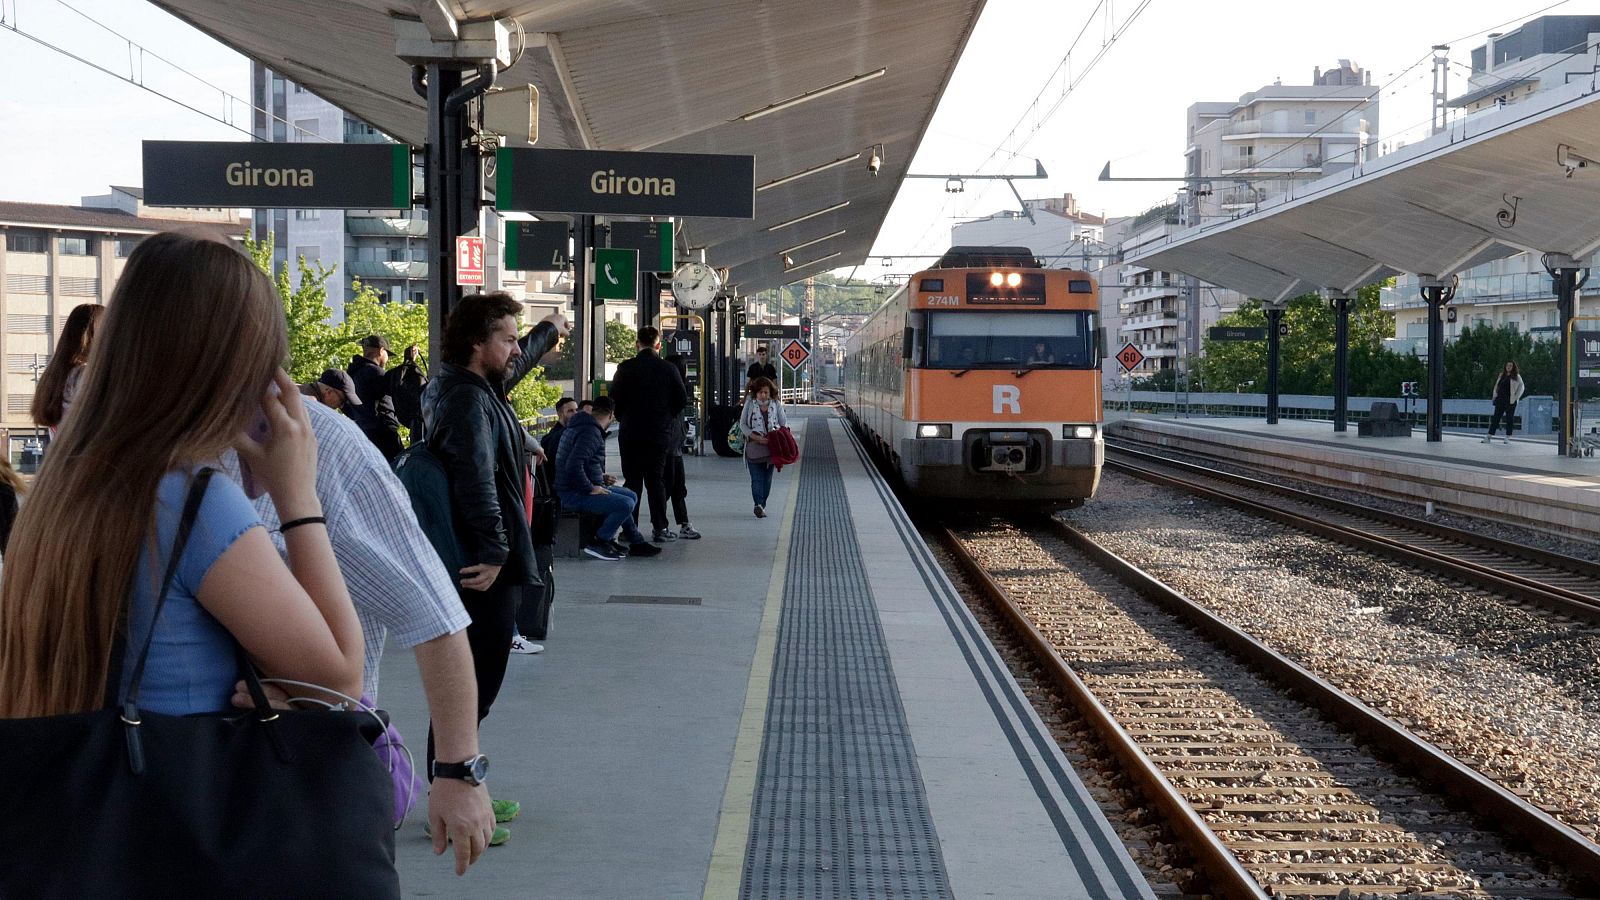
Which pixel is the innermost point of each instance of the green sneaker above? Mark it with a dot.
(500, 835)
(505, 810)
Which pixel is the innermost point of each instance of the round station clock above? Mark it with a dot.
(695, 285)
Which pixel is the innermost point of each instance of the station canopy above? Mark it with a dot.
(1490, 186)
(668, 76)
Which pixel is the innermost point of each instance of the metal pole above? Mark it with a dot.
(1437, 293)
(1566, 284)
(582, 315)
(442, 154)
(1274, 356)
(1341, 362)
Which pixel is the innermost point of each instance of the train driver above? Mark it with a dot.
(1041, 355)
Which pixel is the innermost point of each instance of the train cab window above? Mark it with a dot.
(1011, 340)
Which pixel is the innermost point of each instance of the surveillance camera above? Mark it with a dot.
(788, 261)
(874, 163)
(1570, 160)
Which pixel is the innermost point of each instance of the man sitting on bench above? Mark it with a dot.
(584, 487)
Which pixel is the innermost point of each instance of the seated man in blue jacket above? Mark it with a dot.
(583, 485)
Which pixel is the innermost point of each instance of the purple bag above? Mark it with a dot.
(390, 747)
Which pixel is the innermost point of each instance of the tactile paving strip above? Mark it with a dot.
(840, 810)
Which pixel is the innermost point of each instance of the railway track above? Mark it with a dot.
(1261, 768)
(1565, 585)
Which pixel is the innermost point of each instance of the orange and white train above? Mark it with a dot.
(979, 382)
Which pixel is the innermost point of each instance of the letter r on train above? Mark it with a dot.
(1007, 399)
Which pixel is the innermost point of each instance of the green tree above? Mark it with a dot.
(622, 343)
(401, 322)
(314, 343)
(1475, 359)
(1306, 362)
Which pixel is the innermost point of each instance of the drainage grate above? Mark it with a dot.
(840, 810)
(651, 598)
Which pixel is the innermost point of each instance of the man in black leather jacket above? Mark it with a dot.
(471, 427)
(650, 395)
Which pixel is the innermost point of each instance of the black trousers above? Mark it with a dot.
(644, 468)
(1506, 410)
(493, 615)
(677, 489)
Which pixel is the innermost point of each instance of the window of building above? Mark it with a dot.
(307, 130)
(80, 245)
(279, 131)
(124, 246)
(25, 242)
(307, 215)
(1311, 117)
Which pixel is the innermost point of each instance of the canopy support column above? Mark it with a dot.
(584, 325)
(1341, 303)
(1566, 276)
(1274, 357)
(1438, 293)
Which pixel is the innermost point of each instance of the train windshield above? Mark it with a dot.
(1011, 340)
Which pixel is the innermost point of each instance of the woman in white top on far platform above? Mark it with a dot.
(1507, 391)
(763, 411)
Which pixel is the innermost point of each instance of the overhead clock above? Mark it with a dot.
(695, 285)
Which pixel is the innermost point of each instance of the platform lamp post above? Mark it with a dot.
(1341, 302)
(1566, 277)
(1438, 293)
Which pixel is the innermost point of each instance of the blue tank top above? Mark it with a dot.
(191, 668)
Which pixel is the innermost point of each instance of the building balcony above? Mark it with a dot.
(1254, 128)
(1158, 349)
(392, 270)
(1136, 292)
(1149, 320)
(386, 227)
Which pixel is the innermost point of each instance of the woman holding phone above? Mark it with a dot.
(86, 561)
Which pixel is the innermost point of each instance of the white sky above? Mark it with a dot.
(67, 130)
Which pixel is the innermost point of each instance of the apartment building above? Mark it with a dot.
(1542, 54)
(53, 258)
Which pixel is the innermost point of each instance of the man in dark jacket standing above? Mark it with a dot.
(762, 367)
(472, 429)
(649, 394)
(375, 415)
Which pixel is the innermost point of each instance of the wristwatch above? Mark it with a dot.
(473, 771)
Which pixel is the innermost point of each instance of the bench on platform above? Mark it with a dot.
(574, 531)
(1383, 421)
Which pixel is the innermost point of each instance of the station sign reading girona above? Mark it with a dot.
(277, 176)
(613, 182)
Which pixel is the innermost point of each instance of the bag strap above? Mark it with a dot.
(191, 509)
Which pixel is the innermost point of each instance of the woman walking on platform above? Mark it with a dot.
(763, 412)
(1507, 391)
(59, 383)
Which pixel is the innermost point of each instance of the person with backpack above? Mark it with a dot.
(375, 413)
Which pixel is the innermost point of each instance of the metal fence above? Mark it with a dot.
(1535, 414)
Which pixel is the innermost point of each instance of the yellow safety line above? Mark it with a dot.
(733, 825)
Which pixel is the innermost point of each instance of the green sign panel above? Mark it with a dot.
(616, 274)
(653, 240)
(537, 246)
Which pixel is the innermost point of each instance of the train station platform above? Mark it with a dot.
(795, 706)
(1522, 481)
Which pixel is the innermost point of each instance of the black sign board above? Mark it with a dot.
(684, 342)
(771, 332)
(1586, 352)
(613, 182)
(1224, 333)
(538, 246)
(653, 240)
(277, 176)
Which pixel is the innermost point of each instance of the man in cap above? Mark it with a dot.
(375, 415)
(333, 389)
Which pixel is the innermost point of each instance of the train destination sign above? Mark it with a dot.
(277, 176)
(1224, 333)
(771, 332)
(613, 182)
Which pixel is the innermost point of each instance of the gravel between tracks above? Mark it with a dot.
(1510, 691)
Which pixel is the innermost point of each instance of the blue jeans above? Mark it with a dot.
(760, 480)
(617, 506)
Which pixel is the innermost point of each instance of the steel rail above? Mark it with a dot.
(1228, 877)
(1518, 587)
(1554, 560)
(1545, 835)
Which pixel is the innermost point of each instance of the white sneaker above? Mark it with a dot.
(1508, 440)
(520, 644)
(1487, 438)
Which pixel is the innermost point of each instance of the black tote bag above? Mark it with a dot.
(122, 802)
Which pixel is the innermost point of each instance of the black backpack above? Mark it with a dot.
(405, 391)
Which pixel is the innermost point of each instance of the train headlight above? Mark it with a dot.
(1082, 432)
(933, 431)
(1013, 279)
(997, 279)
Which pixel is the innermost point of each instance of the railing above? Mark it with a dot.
(1267, 126)
(1536, 415)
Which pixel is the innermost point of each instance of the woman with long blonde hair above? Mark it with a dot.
(185, 365)
(59, 382)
